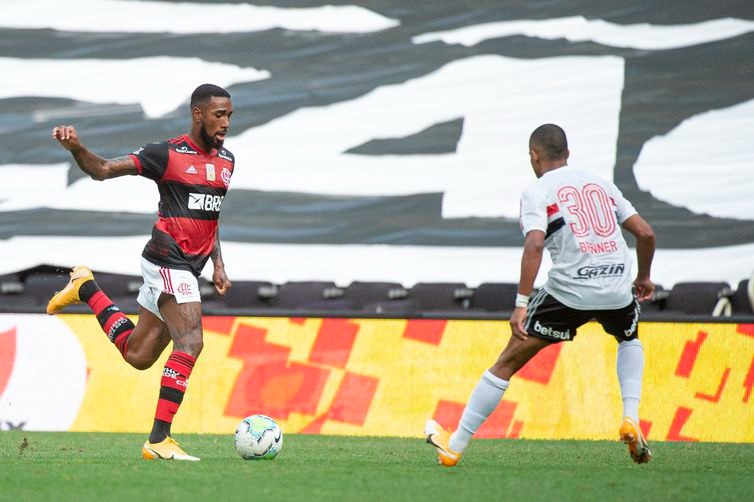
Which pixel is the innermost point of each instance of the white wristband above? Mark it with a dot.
(522, 300)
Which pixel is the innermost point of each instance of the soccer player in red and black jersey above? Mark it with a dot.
(192, 173)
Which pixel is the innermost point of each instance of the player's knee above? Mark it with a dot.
(192, 343)
(634, 342)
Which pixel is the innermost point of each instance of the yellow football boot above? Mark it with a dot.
(167, 449)
(630, 433)
(439, 438)
(70, 293)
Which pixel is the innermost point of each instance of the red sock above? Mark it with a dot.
(114, 323)
(173, 386)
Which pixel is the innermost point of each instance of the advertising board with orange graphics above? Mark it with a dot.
(379, 377)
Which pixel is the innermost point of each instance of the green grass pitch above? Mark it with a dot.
(66, 466)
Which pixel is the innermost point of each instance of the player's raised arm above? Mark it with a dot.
(92, 164)
(645, 250)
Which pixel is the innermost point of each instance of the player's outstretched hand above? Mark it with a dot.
(221, 281)
(517, 323)
(644, 289)
(67, 136)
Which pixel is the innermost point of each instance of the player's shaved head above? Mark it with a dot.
(205, 92)
(549, 140)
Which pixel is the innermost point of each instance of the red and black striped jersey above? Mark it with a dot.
(192, 184)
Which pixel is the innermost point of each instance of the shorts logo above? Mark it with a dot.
(553, 333)
(608, 270)
(205, 202)
(225, 176)
(184, 288)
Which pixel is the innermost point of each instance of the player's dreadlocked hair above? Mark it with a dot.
(204, 92)
(550, 140)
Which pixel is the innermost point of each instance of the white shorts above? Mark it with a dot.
(157, 280)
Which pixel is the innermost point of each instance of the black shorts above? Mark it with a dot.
(549, 319)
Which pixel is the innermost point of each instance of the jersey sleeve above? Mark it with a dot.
(623, 208)
(151, 160)
(533, 210)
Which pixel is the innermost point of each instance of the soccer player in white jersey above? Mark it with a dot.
(578, 217)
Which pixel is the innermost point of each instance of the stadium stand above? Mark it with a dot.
(699, 298)
(742, 300)
(657, 302)
(12, 297)
(251, 295)
(376, 297)
(311, 295)
(29, 290)
(445, 296)
(494, 297)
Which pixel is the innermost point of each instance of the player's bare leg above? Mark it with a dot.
(516, 354)
(140, 344)
(148, 340)
(184, 324)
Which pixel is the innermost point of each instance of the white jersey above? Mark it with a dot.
(581, 215)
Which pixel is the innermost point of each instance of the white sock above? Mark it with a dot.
(483, 401)
(630, 368)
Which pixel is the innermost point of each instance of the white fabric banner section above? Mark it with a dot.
(116, 81)
(407, 265)
(578, 29)
(485, 177)
(48, 374)
(706, 164)
(122, 16)
(500, 105)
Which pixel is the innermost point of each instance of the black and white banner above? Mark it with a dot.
(380, 140)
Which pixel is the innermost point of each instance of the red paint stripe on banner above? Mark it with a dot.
(645, 426)
(716, 396)
(746, 329)
(541, 367)
(315, 427)
(353, 399)
(515, 431)
(425, 330)
(689, 355)
(267, 383)
(297, 320)
(448, 414)
(221, 325)
(7, 356)
(749, 382)
(679, 420)
(334, 342)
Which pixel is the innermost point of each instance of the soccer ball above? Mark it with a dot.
(258, 437)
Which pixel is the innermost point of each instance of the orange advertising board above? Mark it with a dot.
(381, 377)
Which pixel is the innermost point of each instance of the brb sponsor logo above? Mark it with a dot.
(608, 270)
(554, 333)
(205, 202)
